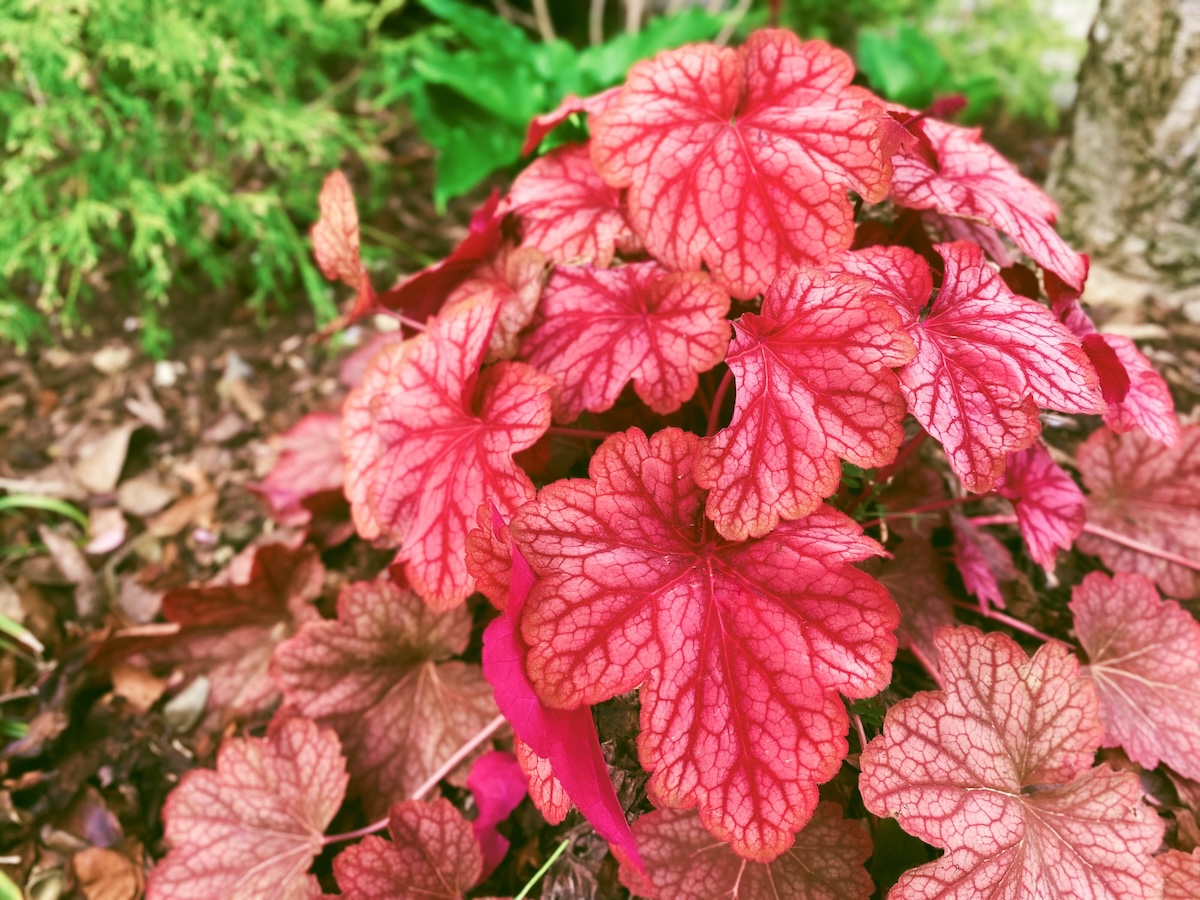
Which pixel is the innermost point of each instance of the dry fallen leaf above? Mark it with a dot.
(108, 875)
(137, 686)
(144, 495)
(99, 466)
(74, 568)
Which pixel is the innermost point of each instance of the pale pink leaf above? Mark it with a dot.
(599, 329)
(682, 863)
(997, 771)
(252, 828)
(310, 463)
(1181, 874)
(814, 387)
(512, 279)
(571, 105)
(1150, 494)
(382, 677)
(740, 650)
(1050, 507)
(1148, 403)
(428, 441)
(1144, 655)
(545, 790)
(740, 160)
(336, 241)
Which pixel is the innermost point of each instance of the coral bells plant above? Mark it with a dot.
(728, 407)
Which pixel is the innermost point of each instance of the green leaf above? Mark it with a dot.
(905, 67)
(606, 64)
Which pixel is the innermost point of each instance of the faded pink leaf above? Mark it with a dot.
(915, 577)
(982, 561)
(512, 279)
(1050, 507)
(1181, 874)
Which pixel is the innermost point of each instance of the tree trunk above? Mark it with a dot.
(1129, 177)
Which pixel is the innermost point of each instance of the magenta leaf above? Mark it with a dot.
(428, 439)
(740, 649)
(598, 329)
(1149, 494)
(1147, 404)
(825, 862)
(1050, 507)
(740, 160)
(814, 387)
(982, 561)
(1144, 656)
(433, 855)
(497, 783)
(997, 771)
(381, 676)
(251, 828)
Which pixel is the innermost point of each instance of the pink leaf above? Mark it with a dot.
(564, 738)
(825, 863)
(813, 388)
(1050, 507)
(498, 785)
(571, 105)
(1150, 494)
(598, 329)
(545, 790)
(996, 770)
(379, 676)
(513, 281)
(1144, 655)
(427, 441)
(986, 361)
(310, 463)
(740, 159)
(433, 855)
(973, 181)
(1181, 874)
(1147, 404)
(915, 577)
(335, 239)
(568, 211)
(251, 828)
(982, 562)
(739, 649)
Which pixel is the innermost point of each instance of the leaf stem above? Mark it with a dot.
(47, 504)
(428, 784)
(929, 507)
(537, 876)
(1133, 544)
(586, 434)
(714, 413)
(1016, 624)
(993, 520)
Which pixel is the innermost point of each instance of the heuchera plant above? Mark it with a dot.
(791, 342)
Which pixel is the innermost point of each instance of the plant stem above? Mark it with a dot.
(714, 413)
(596, 23)
(1003, 619)
(545, 24)
(1133, 544)
(928, 507)
(48, 504)
(537, 876)
(585, 433)
(429, 784)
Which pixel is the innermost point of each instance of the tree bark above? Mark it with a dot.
(1128, 180)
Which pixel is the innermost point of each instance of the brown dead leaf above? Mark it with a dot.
(99, 466)
(74, 568)
(139, 604)
(145, 407)
(137, 686)
(108, 874)
(193, 510)
(144, 495)
(243, 397)
(112, 359)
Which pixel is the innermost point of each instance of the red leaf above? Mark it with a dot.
(1147, 404)
(498, 785)
(379, 677)
(569, 212)
(1181, 874)
(982, 562)
(420, 459)
(252, 828)
(740, 159)
(740, 649)
(973, 181)
(915, 577)
(1114, 378)
(813, 388)
(433, 855)
(565, 739)
(571, 104)
(1149, 493)
(421, 294)
(1050, 507)
(335, 239)
(951, 228)
(986, 361)
(1144, 656)
(598, 329)
(545, 790)
(825, 863)
(513, 281)
(310, 463)
(996, 770)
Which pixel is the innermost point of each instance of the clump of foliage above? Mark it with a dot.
(707, 411)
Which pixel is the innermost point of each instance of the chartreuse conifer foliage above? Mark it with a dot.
(730, 297)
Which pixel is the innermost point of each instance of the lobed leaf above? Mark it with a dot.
(382, 677)
(1181, 874)
(1144, 656)
(739, 649)
(1050, 507)
(739, 160)
(996, 770)
(336, 240)
(599, 329)
(982, 561)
